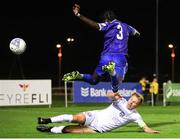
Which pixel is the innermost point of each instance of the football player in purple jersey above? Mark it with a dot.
(113, 59)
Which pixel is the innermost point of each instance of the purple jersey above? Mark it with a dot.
(116, 35)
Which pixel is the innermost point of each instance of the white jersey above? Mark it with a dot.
(112, 117)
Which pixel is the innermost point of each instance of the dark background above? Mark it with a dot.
(44, 24)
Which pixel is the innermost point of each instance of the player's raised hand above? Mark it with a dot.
(137, 34)
(76, 9)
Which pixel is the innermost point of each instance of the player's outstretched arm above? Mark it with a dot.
(76, 10)
(114, 96)
(150, 130)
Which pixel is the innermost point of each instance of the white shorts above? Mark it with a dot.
(91, 120)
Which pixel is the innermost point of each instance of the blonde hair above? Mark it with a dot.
(138, 95)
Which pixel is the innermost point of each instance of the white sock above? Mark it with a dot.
(62, 118)
(57, 129)
(82, 75)
(113, 73)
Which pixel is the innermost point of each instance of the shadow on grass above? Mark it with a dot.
(163, 123)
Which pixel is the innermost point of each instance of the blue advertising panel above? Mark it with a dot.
(86, 93)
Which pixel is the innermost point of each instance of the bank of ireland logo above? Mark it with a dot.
(84, 92)
(24, 87)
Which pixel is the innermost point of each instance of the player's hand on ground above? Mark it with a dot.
(76, 9)
(150, 130)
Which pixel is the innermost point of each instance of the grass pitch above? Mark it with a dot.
(21, 122)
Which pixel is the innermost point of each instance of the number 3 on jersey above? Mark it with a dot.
(120, 33)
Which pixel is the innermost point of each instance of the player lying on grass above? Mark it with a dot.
(118, 114)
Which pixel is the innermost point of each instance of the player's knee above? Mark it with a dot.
(95, 81)
(79, 118)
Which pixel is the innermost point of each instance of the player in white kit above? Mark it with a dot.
(119, 113)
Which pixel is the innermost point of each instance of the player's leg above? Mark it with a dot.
(78, 118)
(119, 73)
(91, 78)
(115, 78)
(84, 118)
(109, 65)
(117, 69)
(66, 129)
(78, 129)
(56, 119)
(97, 75)
(75, 75)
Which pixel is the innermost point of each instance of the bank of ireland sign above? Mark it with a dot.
(85, 93)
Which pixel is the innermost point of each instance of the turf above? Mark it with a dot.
(21, 122)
